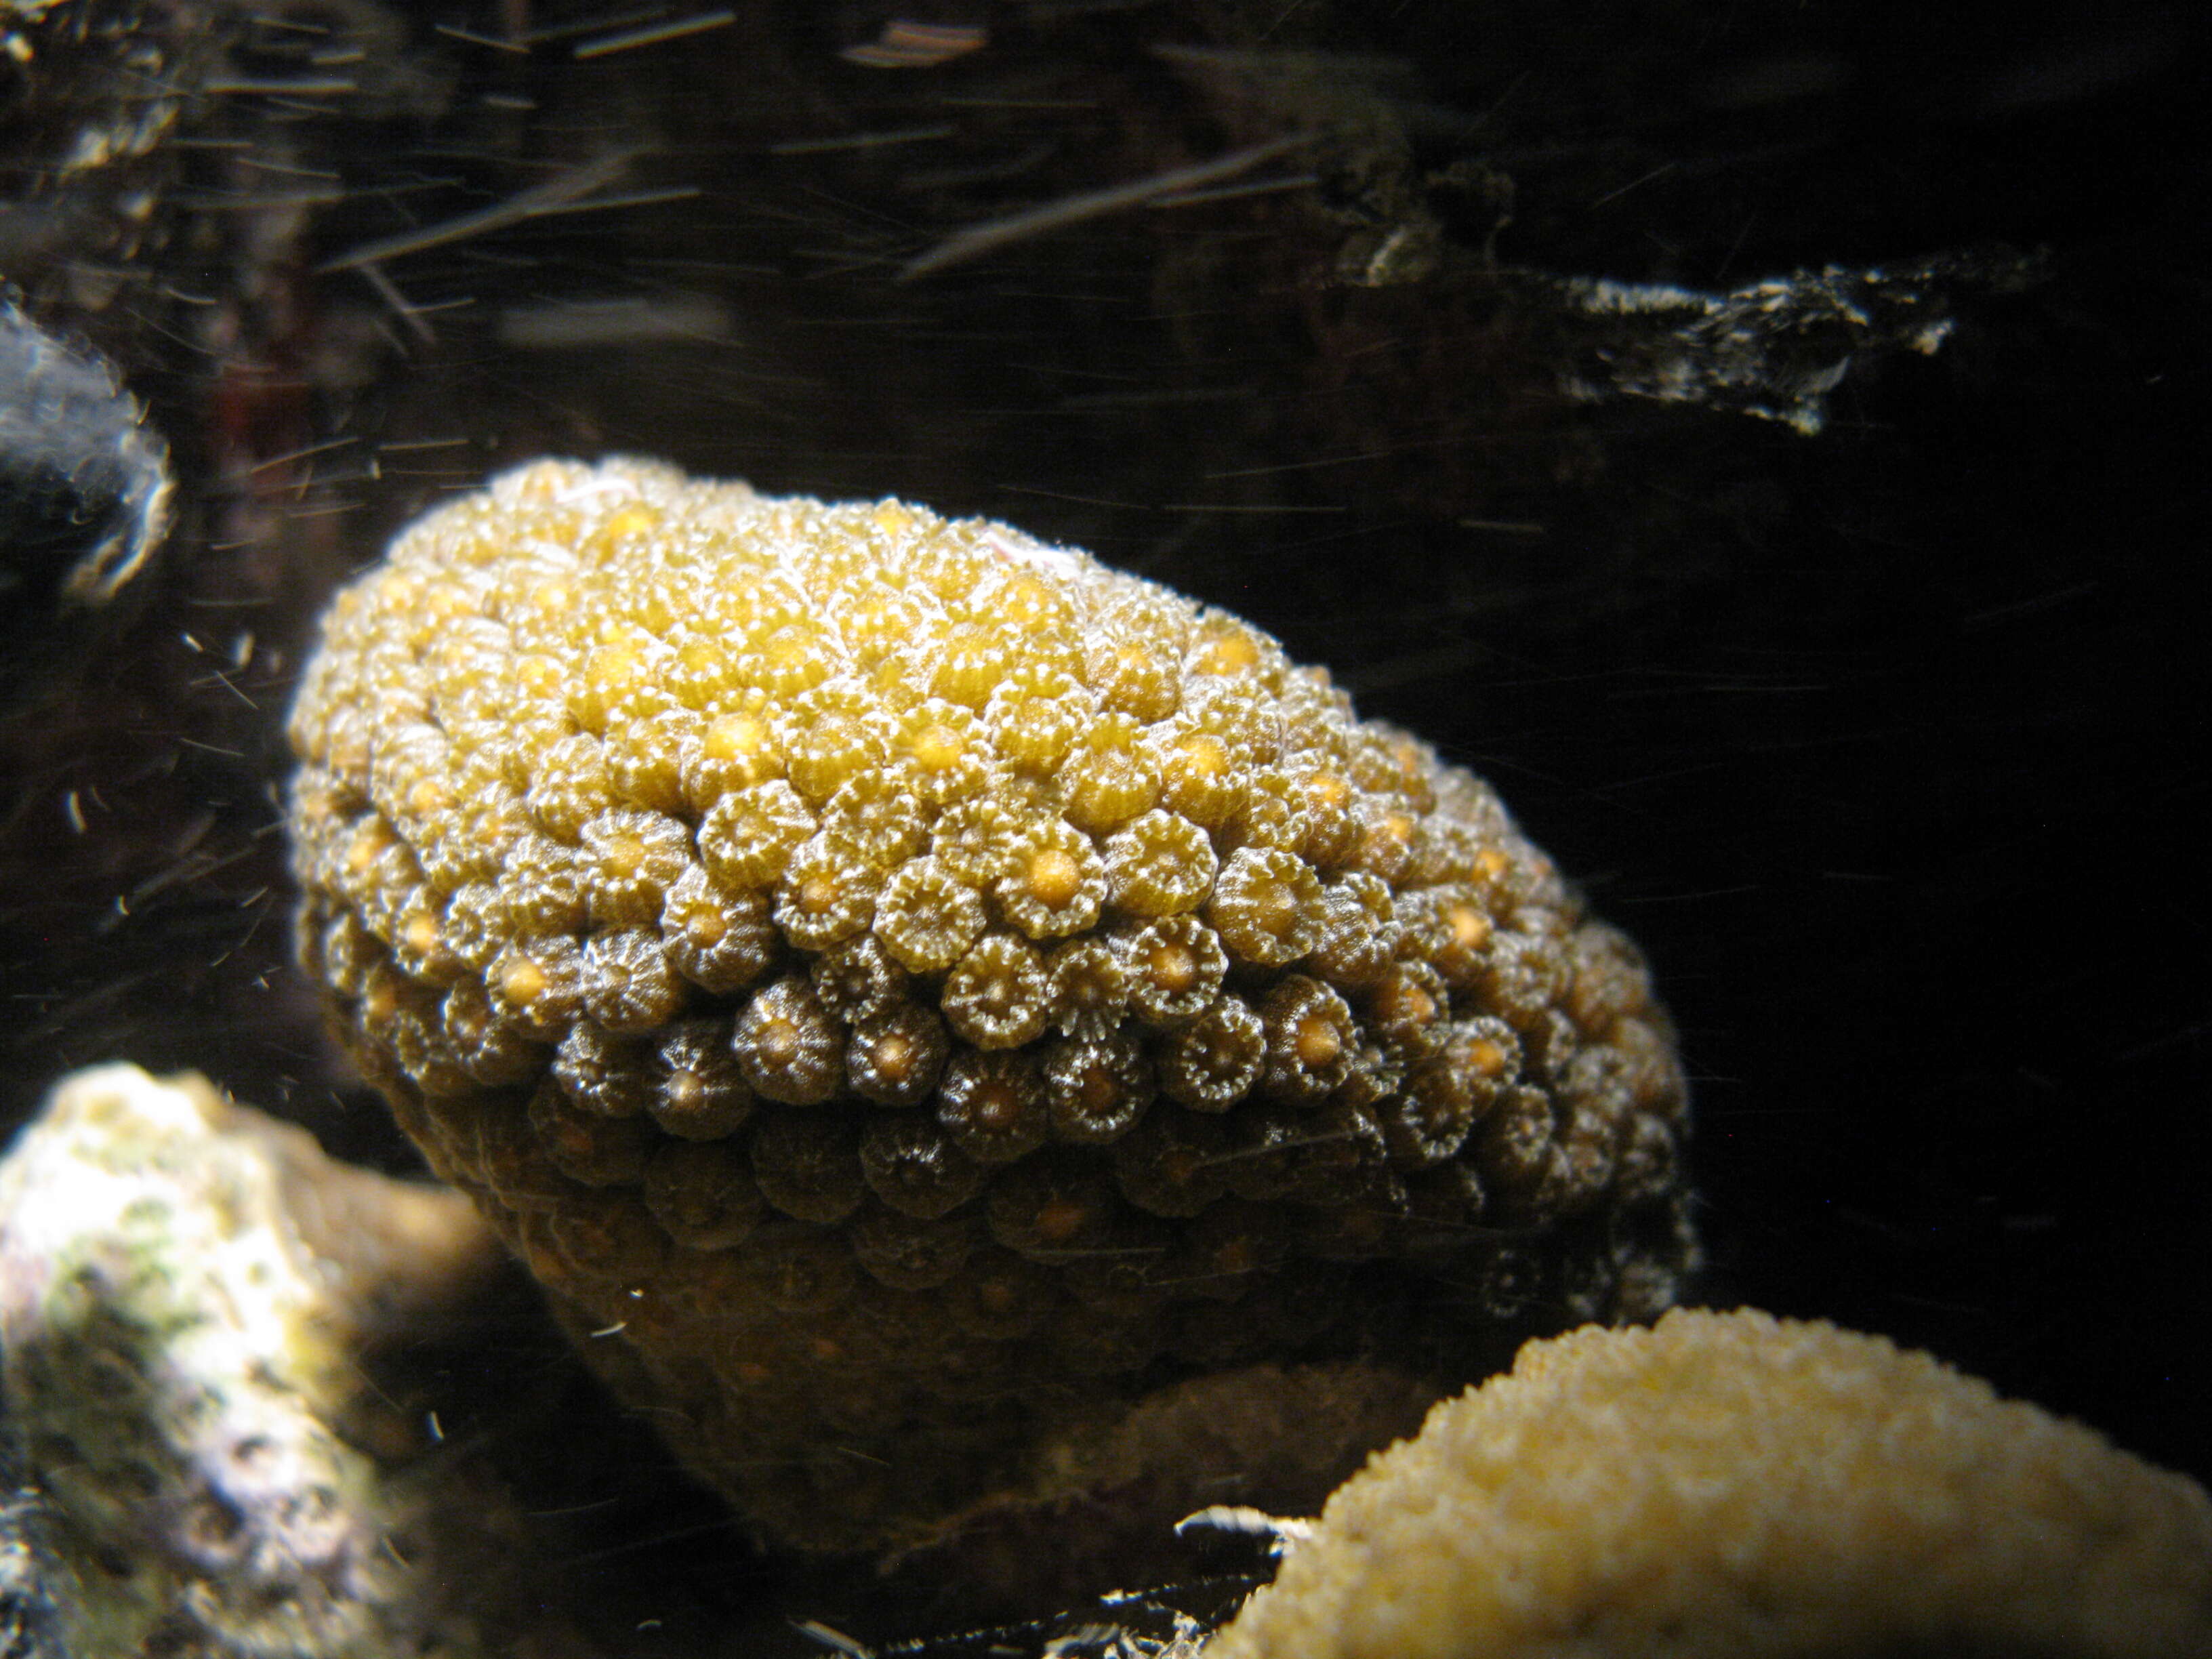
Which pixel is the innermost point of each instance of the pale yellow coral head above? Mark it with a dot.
(1738, 1486)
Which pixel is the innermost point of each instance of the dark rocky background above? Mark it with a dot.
(1887, 742)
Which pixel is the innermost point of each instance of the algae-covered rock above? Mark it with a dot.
(187, 1292)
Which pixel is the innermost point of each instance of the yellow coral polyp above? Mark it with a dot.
(788, 1047)
(419, 933)
(644, 760)
(718, 938)
(796, 656)
(615, 678)
(943, 749)
(1266, 905)
(541, 987)
(1200, 779)
(735, 750)
(1136, 680)
(634, 520)
(912, 978)
(936, 746)
(827, 894)
(1051, 876)
(969, 662)
(832, 740)
(1175, 965)
(637, 857)
(894, 1055)
(1029, 606)
(928, 917)
(1053, 882)
(749, 836)
(629, 984)
(1225, 648)
(1035, 715)
(1159, 865)
(1099, 1088)
(994, 1106)
(999, 995)
(1310, 1033)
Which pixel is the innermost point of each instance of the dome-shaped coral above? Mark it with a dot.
(770, 910)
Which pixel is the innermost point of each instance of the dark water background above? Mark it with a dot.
(1888, 744)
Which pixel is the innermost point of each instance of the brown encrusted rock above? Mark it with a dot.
(1738, 1486)
(928, 989)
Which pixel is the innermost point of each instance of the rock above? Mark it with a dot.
(191, 1294)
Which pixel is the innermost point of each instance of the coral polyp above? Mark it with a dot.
(778, 915)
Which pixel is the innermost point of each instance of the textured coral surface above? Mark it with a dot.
(914, 990)
(1737, 1486)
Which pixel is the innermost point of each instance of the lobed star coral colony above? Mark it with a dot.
(929, 989)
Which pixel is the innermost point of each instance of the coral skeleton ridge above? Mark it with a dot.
(913, 991)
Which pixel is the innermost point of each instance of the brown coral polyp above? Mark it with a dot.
(836, 931)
